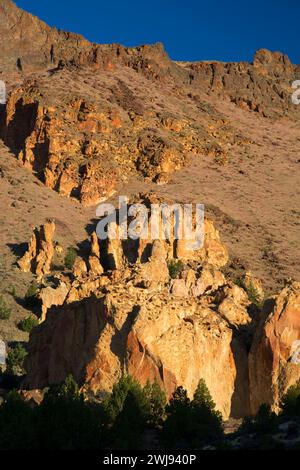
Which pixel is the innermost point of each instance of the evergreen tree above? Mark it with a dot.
(202, 396)
(206, 422)
(128, 428)
(113, 403)
(176, 427)
(127, 410)
(157, 402)
(17, 424)
(265, 421)
(66, 421)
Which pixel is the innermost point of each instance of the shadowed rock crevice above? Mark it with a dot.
(21, 125)
(119, 340)
(68, 339)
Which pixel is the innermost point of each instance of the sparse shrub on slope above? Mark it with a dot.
(31, 297)
(175, 268)
(70, 257)
(28, 324)
(251, 291)
(5, 311)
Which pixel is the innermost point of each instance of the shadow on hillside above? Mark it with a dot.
(240, 345)
(69, 336)
(18, 249)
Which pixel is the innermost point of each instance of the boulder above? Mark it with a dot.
(234, 306)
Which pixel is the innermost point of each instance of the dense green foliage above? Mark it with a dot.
(15, 359)
(66, 420)
(124, 418)
(190, 424)
(265, 422)
(157, 402)
(62, 421)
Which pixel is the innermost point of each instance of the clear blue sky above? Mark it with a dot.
(226, 30)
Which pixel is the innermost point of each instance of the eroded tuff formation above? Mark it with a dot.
(128, 315)
(274, 360)
(84, 133)
(122, 316)
(38, 258)
(85, 117)
(135, 320)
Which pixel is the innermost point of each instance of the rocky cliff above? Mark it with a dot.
(85, 117)
(88, 121)
(274, 357)
(137, 321)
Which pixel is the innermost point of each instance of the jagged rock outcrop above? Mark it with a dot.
(94, 266)
(85, 118)
(263, 86)
(50, 296)
(272, 368)
(136, 319)
(85, 143)
(95, 249)
(145, 262)
(154, 273)
(38, 257)
(210, 280)
(211, 251)
(234, 306)
(79, 268)
(131, 319)
(131, 330)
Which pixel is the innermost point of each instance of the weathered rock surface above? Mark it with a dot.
(130, 330)
(234, 306)
(137, 320)
(78, 124)
(273, 366)
(138, 323)
(117, 253)
(38, 257)
(79, 267)
(52, 296)
(84, 118)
